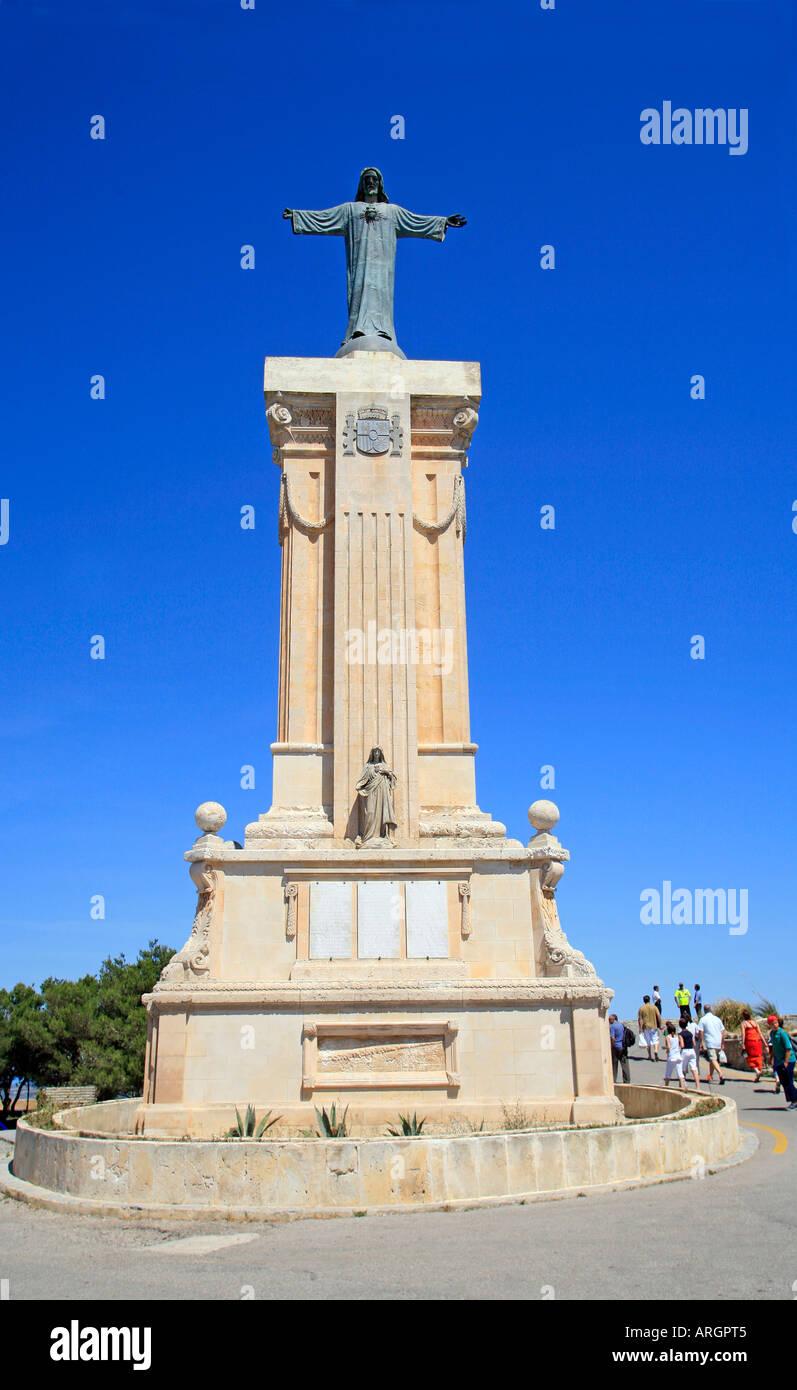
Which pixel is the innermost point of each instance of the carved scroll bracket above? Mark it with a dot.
(279, 420)
(291, 894)
(464, 896)
(568, 962)
(193, 959)
(464, 422)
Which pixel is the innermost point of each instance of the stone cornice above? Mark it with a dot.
(370, 371)
(464, 994)
(350, 860)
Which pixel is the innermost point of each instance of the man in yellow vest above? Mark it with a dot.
(682, 997)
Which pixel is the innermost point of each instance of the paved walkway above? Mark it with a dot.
(733, 1234)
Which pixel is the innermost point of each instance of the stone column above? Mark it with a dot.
(441, 433)
(371, 449)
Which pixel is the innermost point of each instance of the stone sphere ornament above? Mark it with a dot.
(210, 817)
(543, 815)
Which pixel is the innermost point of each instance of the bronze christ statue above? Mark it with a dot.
(371, 226)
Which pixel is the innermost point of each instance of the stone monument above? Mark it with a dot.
(378, 940)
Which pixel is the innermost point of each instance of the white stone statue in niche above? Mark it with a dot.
(375, 791)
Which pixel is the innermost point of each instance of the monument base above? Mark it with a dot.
(433, 979)
(367, 344)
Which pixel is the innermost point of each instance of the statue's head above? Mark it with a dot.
(371, 189)
(376, 756)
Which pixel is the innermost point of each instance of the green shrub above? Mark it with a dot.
(330, 1127)
(730, 1011)
(765, 1007)
(248, 1127)
(408, 1126)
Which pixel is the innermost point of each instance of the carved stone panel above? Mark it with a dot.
(378, 919)
(427, 918)
(330, 921)
(357, 1056)
(354, 1055)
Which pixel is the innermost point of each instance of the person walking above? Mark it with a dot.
(657, 999)
(782, 1051)
(682, 997)
(619, 1049)
(688, 1054)
(649, 1021)
(675, 1066)
(772, 1020)
(753, 1044)
(711, 1031)
(697, 1000)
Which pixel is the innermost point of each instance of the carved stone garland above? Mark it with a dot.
(436, 528)
(288, 513)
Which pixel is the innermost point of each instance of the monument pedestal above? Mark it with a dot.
(427, 970)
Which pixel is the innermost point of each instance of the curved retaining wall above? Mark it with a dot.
(333, 1177)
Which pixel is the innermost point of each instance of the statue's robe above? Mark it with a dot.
(371, 230)
(375, 790)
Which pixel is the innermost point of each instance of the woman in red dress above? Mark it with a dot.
(753, 1044)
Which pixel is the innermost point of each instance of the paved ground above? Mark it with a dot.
(734, 1234)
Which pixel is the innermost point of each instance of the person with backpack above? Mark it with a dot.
(781, 1049)
(617, 1033)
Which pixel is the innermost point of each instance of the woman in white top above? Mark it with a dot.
(675, 1065)
(688, 1053)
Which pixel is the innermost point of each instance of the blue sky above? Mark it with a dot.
(673, 516)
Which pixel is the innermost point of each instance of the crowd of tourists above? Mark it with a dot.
(689, 1039)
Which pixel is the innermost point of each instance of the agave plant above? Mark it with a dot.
(765, 1007)
(407, 1126)
(248, 1127)
(330, 1127)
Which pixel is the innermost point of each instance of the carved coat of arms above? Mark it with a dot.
(374, 432)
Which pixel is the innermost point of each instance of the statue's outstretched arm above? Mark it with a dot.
(327, 222)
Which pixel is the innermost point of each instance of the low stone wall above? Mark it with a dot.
(248, 1179)
(647, 1102)
(110, 1117)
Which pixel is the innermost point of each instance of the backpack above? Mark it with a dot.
(629, 1038)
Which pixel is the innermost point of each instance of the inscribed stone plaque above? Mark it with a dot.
(374, 1055)
(378, 919)
(330, 920)
(427, 918)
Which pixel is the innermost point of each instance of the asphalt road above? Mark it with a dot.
(734, 1233)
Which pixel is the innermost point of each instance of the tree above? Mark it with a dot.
(86, 1032)
(67, 1028)
(20, 1031)
(120, 1031)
